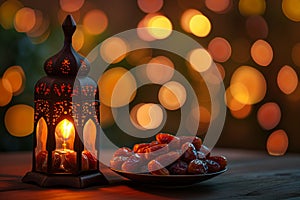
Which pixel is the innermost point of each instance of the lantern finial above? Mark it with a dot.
(69, 27)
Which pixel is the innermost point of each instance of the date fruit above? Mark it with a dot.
(133, 163)
(197, 167)
(171, 140)
(116, 162)
(156, 150)
(189, 152)
(212, 166)
(168, 158)
(124, 151)
(156, 168)
(178, 168)
(196, 141)
(221, 160)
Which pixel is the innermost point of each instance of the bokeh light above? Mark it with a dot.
(257, 27)
(277, 143)
(219, 6)
(142, 28)
(252, 7)
(242, 113)
(40, 32)
(139, 56)
(172, 95)
(16, 77)
(287, 79)
(290, 9)
(200, 25)
(8, 9)
(186, 18)
(248, 85)
(5, 91)
(149, 116)
(71, 5)
(25, 20)
(117, 86)
(78, 38)
(150, 6)
(200, 59)
(160, 27)
(220, 49)
(296, 53)
(262, 52)
(106, 116)
(269, 115)
(19, 120)
(113, 49)
(231, 102)
(160, 69)
(95, 22)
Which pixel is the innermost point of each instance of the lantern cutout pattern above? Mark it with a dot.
(66, 133)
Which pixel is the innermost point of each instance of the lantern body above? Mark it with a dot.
(66, 121)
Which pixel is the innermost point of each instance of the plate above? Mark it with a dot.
(168, 180)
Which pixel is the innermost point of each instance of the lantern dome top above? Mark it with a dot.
(67, 62)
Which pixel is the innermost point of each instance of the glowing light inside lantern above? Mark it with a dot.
(65, 130)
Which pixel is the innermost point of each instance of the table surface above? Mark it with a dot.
(250, 175)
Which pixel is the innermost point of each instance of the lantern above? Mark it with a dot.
(66, 121)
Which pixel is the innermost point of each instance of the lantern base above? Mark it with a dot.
(80, 181)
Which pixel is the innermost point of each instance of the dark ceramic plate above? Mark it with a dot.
(168, 180)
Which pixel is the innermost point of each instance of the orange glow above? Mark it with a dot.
(106, 116)
(277, 143)
(257, 27)
(71, 5)
(220, 49)
(25, 19)
(262, 52)
(290, 9)
(172, 95)
(204, 114)
(287, 79)
(133, 115)
(19, 120)
(5, 91)
(15, 75)
(186, 18)
(218, 6)
(231, 102)
(296, 53)
(200, 59)
(65, 128)
(41, 26)
(160, 69)
(160, 27)
(248, 85)
(78, 38)
(114, 49)
(200, 25)
(149, 116)
(95, 22)
(117, 86)
(252, 7)
(242, 113)
(150, 6)
(8, 9)
(269, 115)
(142, 30)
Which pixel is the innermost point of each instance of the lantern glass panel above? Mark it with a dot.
(40, 150)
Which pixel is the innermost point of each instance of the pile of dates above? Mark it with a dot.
(168, 155)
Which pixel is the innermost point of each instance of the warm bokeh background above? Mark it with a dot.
(255, 44)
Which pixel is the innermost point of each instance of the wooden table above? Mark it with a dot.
(251, 175)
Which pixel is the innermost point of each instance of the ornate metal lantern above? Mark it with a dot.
(66, 132)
